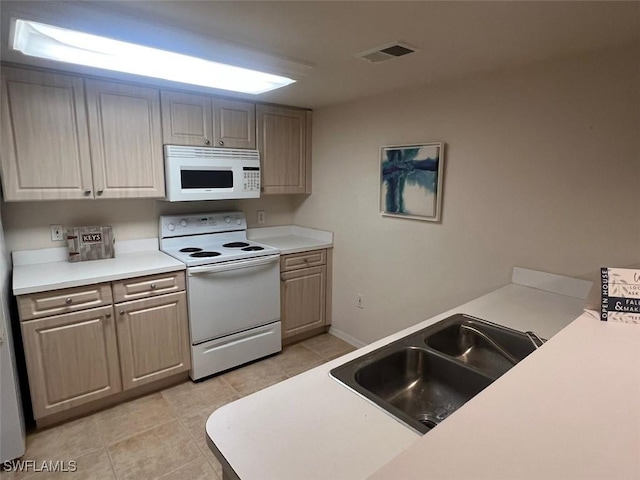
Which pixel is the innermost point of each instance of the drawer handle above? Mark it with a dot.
(153, 286)
(305, 260)
(68, 300)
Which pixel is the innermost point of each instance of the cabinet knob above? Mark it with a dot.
(121, 312)
(87, 192)
(100, 192)
(68, 300)
(206, 141)
(153, 286)
(220, 142)
(108, 315)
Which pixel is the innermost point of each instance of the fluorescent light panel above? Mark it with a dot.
(63, 45)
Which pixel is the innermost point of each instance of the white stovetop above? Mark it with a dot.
(312, 427)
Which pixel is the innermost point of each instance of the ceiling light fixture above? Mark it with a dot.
(70, 46)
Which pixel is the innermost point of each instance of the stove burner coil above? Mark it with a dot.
(235, 245)
(204, 254)
(252, 248)
(190, 249)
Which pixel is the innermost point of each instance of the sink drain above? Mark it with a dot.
(428, 420)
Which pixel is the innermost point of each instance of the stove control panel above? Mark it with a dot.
(215, 222)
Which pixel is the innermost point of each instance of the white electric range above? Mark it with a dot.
(233, 289)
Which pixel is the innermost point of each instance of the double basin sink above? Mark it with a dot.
(424, 377)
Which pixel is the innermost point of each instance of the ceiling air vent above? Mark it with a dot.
(386, 52)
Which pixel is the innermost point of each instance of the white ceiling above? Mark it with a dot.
(453, 38)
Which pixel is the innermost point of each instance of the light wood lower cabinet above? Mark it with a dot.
(305, 287)
(77, 357)
(303, 299)
(72, 359)
(153, 337)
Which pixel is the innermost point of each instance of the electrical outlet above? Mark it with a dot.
(360, 301)
(57, 233)
(261, 217)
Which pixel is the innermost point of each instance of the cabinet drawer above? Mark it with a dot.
(296, 261)
(148, 286)
(56, 302)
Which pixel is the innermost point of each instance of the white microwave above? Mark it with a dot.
(208, 173)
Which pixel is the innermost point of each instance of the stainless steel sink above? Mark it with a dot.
(488, 347)
(424, 377)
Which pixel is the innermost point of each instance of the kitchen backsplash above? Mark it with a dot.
(26, 224)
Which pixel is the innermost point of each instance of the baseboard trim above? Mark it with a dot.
(347, 338)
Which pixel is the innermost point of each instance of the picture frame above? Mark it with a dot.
(411, 178)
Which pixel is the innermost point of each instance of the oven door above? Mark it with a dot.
(231, 297)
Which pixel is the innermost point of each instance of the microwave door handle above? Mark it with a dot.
(234, 265)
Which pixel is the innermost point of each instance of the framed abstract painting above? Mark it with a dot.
(411, 181)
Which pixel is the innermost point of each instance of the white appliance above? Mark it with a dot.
(207, 173)
(233, 289)
(12, 435)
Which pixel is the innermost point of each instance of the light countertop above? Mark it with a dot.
(312, 427)
(41, 270)
(571, 411)
(292, 238)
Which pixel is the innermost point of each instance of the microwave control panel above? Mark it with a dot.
(251, 179)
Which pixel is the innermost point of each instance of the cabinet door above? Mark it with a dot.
(303, 295)
(186, 119)
(72, 359)
(153, 336)
(235, 123)
(126, 140)
(282, 141)
(45, 144)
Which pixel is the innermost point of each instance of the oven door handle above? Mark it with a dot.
(233, 265)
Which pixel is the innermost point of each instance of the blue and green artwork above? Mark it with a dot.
(410, 181)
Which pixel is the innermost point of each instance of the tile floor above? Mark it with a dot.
(161, 435)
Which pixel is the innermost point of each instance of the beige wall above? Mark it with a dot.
(542, 171)
(27, 223)
(529, 154)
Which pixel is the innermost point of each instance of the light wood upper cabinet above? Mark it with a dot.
(284, 142)
(45, 144)
(234, 123)
(153, 336)
(199, 120)
(126, 140)
(64, 137)
(72, 359)
(186, 119)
